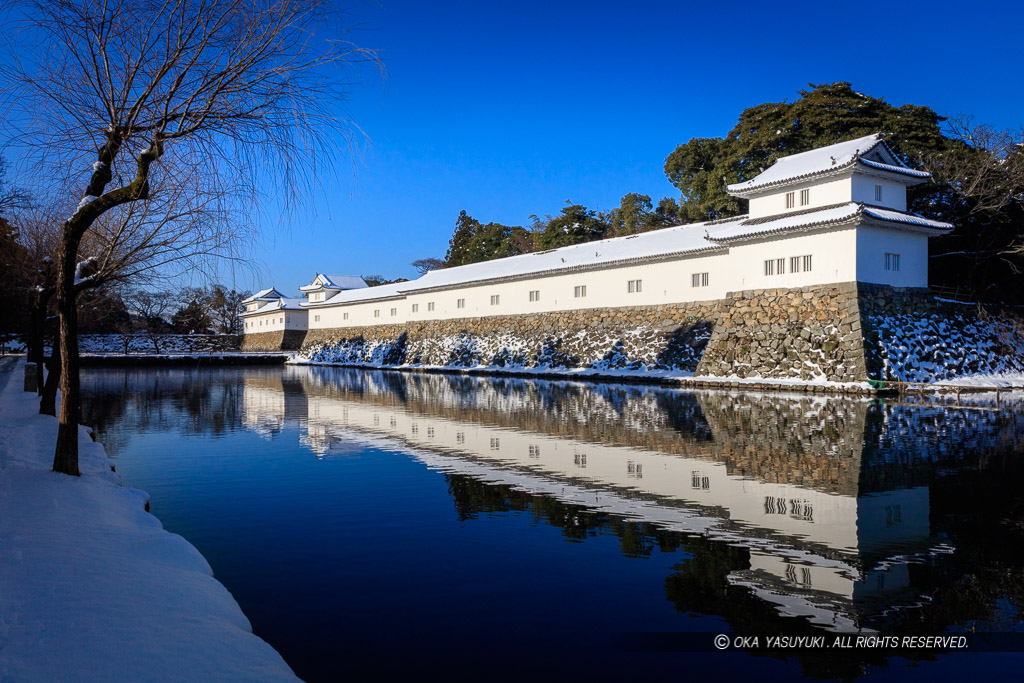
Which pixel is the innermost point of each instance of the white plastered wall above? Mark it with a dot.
(894, 194)
(275, 321)
(821, 194)
(872, 245)
(833, 259)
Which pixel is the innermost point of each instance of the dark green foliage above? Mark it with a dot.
(636, 214)
(824, 115)
(575, 225)
(473, 242)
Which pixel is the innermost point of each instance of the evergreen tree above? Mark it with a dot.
(458, 247)
(576, 224)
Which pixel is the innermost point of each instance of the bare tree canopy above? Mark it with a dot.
(216, 103)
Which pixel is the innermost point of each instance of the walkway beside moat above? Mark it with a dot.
(93, 587)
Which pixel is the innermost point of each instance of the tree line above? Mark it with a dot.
(977, 185)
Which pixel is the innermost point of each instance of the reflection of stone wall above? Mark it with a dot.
(604, 338)
(805, 333)
(283, 340)
(810, 442)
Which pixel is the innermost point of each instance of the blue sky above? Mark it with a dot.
(509, 109)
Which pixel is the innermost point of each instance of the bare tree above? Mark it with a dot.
(148, 310)
(225, 309)
(229, 95)
(425, 265)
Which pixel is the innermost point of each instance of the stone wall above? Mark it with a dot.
(841, 333)
(806, 333)
(635, 338)
(282, 340)
(911, 336)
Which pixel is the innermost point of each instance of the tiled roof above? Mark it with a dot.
(826, 161)
(836, 214)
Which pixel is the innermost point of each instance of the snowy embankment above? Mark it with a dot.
(951, 349)
(174, 344)
(91, 585)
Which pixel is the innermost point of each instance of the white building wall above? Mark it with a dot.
(894, 194)
(837, 255)
(874, 243)
(833, 259)
(276, 321)
(821, 194)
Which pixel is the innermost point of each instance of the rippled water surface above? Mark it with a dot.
(379, 523)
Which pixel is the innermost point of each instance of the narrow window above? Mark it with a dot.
(495, 299)
(316, 318)
(430, 305)
(769, 267)
(534, 295)
(892, 262)
(461, 303)
(394, 312)
(495, 444)
(878, 193)
(580, 291)
(344, 316)
(699, 280)
(635, 286)
(415, 308)
(376, 313)
(805, 197)
(790, 200)
(807, 263)
(794, 264)
(460, 437)
(780, 266)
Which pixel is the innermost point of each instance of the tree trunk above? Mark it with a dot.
(65, 457)
(48, 400)
(36, 335)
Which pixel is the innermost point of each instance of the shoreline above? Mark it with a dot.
(94, 587)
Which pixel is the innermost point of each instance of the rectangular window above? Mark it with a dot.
(394, 312)
(805, 197)
(780, 266)
(790, 200)
(794, 264)
(892, 262)
(344, 316)
(461, 303)
(635, 286)
(878, 193)
(376, 313)
(534, 295)
(430, 305)
(415, 308)
(699, 280)
(495, 299)
(807, 263)
(769, 267)
(580, 291)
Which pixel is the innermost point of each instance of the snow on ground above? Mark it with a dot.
(148, 344)
(91, 586)
(951, 349)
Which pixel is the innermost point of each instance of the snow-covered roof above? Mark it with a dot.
(323, 280)
(351, 296)
(836, 214)
(263, 295)
(282, 304)
(829, 160)
(682, 239)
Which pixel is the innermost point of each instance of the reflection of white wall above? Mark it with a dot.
(785, 509)
(263, 409)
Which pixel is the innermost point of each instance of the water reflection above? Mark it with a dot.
(796, 513)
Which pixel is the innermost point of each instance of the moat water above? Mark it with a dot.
(381, 524)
